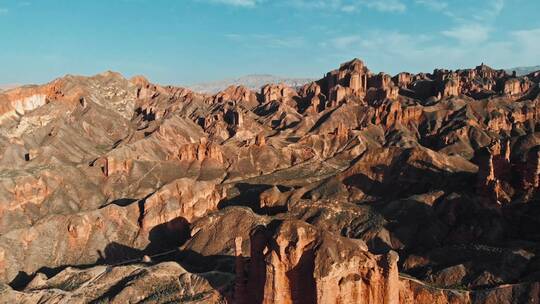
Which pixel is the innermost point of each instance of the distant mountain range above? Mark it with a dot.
(520, 71)
(253, 82)
(4, 87)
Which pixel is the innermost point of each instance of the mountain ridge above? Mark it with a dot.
(524, 70)
(251, 81)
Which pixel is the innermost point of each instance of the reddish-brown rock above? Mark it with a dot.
(350, 79)
(237, 94)
(532, 170)
(291, 195)
(182, 200)
(297, 263)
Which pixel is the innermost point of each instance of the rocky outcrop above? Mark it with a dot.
(273, 198)
(179, 203)
(516, 87)
(239, 94)
(200, 152)
(503, 180)
(403, 80)
(531, 174)
(277, 92)
(487, 182)
(220, 232)
(313, 98)
(351, 79)
(381, 88)
(296, 263)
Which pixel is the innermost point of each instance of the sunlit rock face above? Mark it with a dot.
(299, 264)
(359, 187)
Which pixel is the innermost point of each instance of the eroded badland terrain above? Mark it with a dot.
(356, 188)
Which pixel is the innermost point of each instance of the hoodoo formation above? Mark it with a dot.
(360, 187)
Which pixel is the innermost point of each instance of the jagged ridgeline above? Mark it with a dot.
(356, 188)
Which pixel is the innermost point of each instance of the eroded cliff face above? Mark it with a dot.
(356, 188)
(298, 263)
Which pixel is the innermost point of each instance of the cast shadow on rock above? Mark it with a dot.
(162, 238)
(249, 196)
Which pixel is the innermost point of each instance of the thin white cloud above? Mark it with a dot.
(386, 5)
(317, 4)
(529, 45)
(345, 41)
(349, 8)
(474, 12)
(490, 11)
(349, 5)
(473, 23)
(267, 40)
(240, 3)
(435, 5)
(528, 37)
(469, 33)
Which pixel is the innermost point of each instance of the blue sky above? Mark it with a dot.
(189, 41)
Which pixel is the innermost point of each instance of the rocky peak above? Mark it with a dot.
(351, 79)
(485, 71)
(140, 81)
(280, 91)
(239, 94)
(355, 65)
(403, 80)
